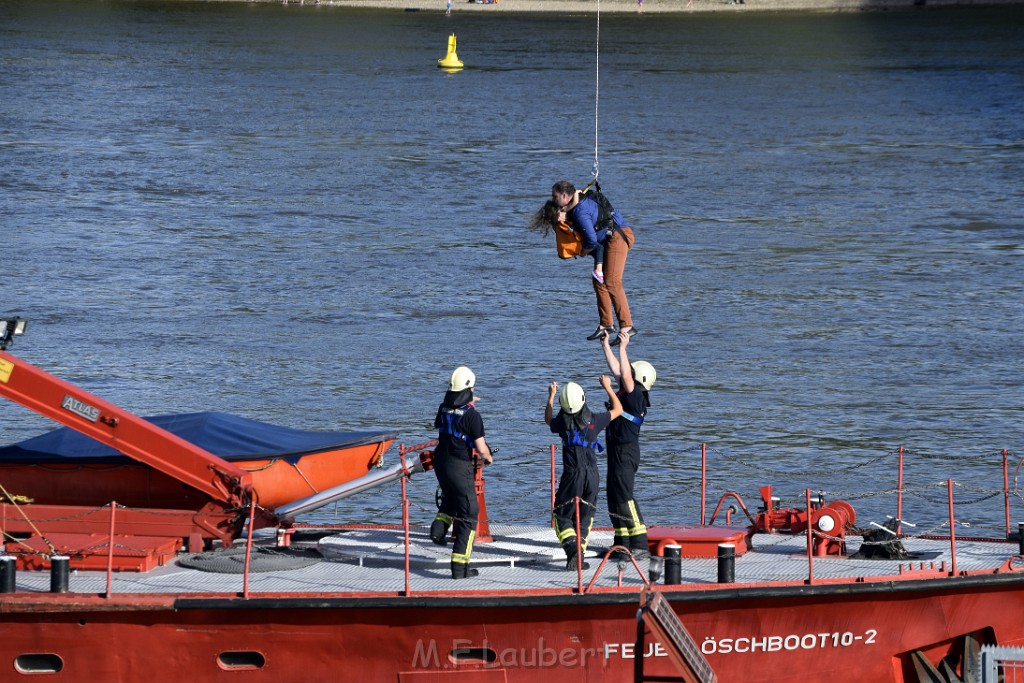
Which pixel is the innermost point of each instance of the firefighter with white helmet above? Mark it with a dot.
(460, 433)
(623, 437)
(579, 429)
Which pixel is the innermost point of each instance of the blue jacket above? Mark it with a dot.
(584, 219)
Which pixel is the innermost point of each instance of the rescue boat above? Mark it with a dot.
(234, 590)
(64, 467)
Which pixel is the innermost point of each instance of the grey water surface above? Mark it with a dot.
(290, 213)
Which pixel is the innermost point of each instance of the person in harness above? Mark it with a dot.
(579, 430)
(599, 223)
(460, 441)
(568, 242)
(623, 437)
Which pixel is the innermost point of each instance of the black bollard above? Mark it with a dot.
(673, 565)
(60, 566)
(655, 568)
(726, 563)
(1020, 537)
(8, 574)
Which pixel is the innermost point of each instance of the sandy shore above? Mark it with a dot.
(652, 6)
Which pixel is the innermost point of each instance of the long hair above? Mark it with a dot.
(545, 220)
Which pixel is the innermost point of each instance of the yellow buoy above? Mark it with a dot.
(451, 60)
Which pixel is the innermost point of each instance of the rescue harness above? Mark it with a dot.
(452, 418)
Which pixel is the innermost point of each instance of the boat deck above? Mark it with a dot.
(372, 560)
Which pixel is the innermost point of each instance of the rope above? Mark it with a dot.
(32, 524)
(261, 559)
(597, 87)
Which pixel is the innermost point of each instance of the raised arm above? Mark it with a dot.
(626, 376)
(550, 406)
(609, 356)
(613, 400)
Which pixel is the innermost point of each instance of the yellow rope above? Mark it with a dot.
(18, 499)
(30, 522)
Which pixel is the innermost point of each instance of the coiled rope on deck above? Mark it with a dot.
(261, 559)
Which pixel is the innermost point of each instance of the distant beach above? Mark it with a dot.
(652, 6)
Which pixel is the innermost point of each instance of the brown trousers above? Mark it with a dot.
(611, 294)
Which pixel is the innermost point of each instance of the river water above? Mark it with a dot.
(290, 213)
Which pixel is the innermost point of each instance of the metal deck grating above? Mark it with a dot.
(1000, 664)
(373, 560)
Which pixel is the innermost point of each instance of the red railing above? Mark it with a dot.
(811, 532)
(406, 524)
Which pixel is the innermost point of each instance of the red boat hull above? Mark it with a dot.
(863, 632)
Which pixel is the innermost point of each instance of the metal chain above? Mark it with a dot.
(760, 467)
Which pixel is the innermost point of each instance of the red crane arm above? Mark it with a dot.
(129, 434)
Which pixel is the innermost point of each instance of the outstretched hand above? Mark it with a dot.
(549, 407)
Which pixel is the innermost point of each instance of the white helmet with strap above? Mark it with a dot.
(644, 373)
(462, 378)
(572, 398)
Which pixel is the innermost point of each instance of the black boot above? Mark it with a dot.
(640, 548)
(570, 564)
(439, 532)
(572, 558)
(463, 571)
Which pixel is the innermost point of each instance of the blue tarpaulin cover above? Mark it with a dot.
(229, 436)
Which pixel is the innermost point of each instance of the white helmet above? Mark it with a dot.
(644, 373)
(462, 378)
(572, 398)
